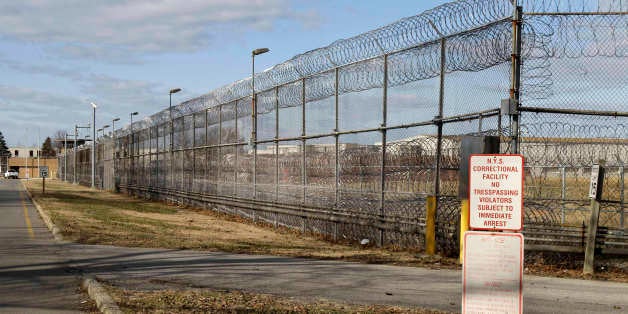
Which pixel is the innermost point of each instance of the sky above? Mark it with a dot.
(57, 56)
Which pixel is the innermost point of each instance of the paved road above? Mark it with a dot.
(305, 278)
(439, 289)
(34, 277)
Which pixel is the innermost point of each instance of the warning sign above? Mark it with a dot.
(492, 275)
(496, 192)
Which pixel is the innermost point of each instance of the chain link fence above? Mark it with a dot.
(349, 140)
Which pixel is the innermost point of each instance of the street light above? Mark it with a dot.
(104, 127)
(172, 91)
(131, 143)
(253, 140)
(133, 114)
(113, 123)
(254, 53)
(113, 135)
(94, 106)
(76, 127)
(65, 156)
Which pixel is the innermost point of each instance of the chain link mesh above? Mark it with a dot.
(346, 137)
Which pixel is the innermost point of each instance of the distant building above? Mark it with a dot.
(24, 160)
(22, 151)
(60, 143)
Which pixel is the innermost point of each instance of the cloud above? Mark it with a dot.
(116, 30)
(20, 99)
(25, 110)
(42, 69)
(32, 108)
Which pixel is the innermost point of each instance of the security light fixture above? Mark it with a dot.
(259, 51)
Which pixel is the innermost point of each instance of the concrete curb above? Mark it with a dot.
(56, 232)
(95, 291)
(104, 302)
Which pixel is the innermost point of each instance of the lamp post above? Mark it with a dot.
(253, 140)
(113, 127)
(104, 127)
(76, 127)
(133, 114)
(94, 106)
(102, 157)
(131, 145)
(113, 135)
(254, 53)
(172, 91)
(65, 157)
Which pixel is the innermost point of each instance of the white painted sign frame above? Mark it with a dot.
(492, 289)
(504, 212)
(595, 174)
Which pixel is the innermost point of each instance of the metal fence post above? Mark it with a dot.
(303, 142)
(382, 201)
(276, 198)
(206, 168)
(74, 153)
(439, 146)
(254, 128)
(480, 118)
(182, 153)
(155, 150)
(516, 76)
(219, 165)
(563, 194)
(193, 179)
(621, 197)
(235, 166)
(337, 150)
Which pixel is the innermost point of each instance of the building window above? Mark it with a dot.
(16, 153)
(30, 153)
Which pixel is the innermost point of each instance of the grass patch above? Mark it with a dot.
(233, 301)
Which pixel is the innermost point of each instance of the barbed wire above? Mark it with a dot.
(574, 6)
(448, 19)
(478, 36)
(571, 144)
(551, 37)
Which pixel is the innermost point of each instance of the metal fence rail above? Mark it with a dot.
(350, 139)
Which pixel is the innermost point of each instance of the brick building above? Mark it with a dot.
(25, 160)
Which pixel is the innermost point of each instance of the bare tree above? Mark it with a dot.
(59, 137)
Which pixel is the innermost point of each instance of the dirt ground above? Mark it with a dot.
(233, 301)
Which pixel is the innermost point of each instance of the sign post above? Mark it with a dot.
(43, 173)
(492, 277)
(595, 193)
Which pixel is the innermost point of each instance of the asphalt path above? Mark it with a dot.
(34, 274)
(293, 277)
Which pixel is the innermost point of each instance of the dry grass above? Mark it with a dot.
(224, 301)
(97, 217)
